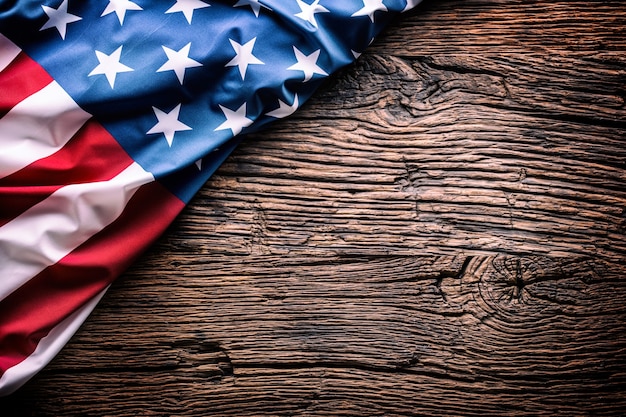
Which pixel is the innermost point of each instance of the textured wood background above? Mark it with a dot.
(440, 231)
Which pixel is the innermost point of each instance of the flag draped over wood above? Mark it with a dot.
(114, 113)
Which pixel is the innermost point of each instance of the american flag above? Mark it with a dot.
(113, 113)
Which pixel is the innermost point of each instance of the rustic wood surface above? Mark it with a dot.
(440, 231)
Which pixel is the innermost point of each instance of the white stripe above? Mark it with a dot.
(8, 52)
(37, 127)
(47, 348)
(51, 229)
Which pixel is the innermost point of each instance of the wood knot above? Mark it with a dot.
(507, 281)
(513, 275)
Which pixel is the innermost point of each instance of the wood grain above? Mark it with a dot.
(439, 231)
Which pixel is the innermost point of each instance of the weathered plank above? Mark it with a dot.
(440, 231)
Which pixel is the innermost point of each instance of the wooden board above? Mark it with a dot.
(440, 231)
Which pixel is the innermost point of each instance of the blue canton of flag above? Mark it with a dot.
(113, 115)
(174, 82)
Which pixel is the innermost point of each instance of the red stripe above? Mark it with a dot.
(21, 78)
(29, 313)
(91, 155)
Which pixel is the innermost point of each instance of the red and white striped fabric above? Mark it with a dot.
(75, 210)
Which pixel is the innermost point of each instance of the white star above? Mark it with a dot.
(168, 124)
(243, 56)
(355, 54)
(410, 4)
(120, 7)
(254, 4)
(199, 164)
(59, 18)
(308, 11)
(284, 109)
(369, 8)
(178, 61)
(235, 120)
(110, 65)
(307, 64)
(187, 7)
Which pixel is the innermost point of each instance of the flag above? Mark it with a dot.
(113, 113)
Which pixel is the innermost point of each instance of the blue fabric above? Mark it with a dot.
(126, 110)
